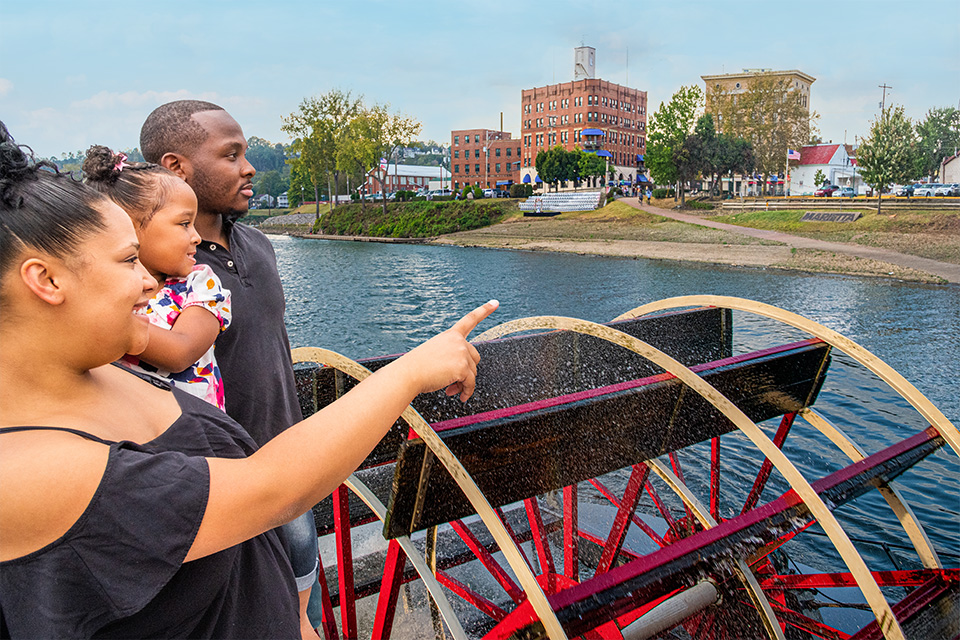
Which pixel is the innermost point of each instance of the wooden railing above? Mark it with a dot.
(837, 204)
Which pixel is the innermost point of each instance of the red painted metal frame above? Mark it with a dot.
(389, 591)
(653, 535)
(715, 478)
(328, 624)
(618, 531)
(571, 539)
(540, 541)
(482, 604)
(805, 623)
(341, 515)
(906, 578)
(785, 423)
(487, 560)
(915, 602)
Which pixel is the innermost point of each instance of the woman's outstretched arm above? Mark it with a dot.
(309, 460)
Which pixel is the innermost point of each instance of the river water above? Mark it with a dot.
(367, 299)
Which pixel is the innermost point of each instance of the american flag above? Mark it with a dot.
(793, 155)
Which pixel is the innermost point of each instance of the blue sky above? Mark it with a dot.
(74, 74)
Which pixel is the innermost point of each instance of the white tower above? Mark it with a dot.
(584, 63)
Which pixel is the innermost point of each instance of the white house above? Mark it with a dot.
(409, 178)
(282, 201)
(838, 163)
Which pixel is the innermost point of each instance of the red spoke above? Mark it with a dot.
(675, 464)
(539, 534)
(389, 590)
(785, 423)
(571, 539)
(471, 596)
(800, 621)
(618, 531)
(662, 508)
(908, 578)
(488, 561)
(327, 622)
(636, 519)
(715, 479)
(341, 515)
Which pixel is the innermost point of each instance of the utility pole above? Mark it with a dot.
(883, 102)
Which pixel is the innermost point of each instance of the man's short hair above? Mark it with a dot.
(171, 129)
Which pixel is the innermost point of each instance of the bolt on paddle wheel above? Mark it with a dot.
(595, 487)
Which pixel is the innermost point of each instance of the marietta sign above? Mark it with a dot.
(821, 216)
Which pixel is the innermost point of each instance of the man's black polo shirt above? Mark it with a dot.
(254, 352)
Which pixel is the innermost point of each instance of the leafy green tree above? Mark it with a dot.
(888, 154)
(769, 114)
(590, 166)
(668, 129)
(548, 167)
(321, 124)
(819, 178)
(375, 133)
(264, 155)
(938, 137)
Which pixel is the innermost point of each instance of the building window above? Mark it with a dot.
(477, 167)
(518, 152)
(497, 153)
(456, 168)
(476, 138)
(466, 168)
(498, 167)
(508, 152)
(456, 140)
(456, 153)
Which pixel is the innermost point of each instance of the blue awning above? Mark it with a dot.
(526, 179)
(641, 178)
(500, 183)
(592, 132)
(603, 153)
(538, 179)
(639, 157)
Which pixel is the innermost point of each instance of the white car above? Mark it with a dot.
(947, 190)
(926, 190)
(844, 192)
(489, 193)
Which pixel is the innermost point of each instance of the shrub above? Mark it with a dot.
(664, 193)
(693, 204)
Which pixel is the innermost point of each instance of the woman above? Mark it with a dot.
(128, 509)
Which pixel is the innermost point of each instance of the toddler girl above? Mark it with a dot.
(190, 307)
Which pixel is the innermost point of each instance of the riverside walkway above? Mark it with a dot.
(947, 271)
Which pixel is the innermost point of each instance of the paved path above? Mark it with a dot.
(947, 271)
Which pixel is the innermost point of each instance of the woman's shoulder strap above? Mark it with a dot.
(82, 434)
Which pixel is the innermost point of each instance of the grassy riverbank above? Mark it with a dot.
(926, 233)
(621, 230)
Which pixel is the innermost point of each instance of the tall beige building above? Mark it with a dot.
(734, 83)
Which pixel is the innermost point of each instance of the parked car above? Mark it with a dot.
(907, 190)
(948, 190)
(826, 190)
(489, 193)
(844, 192)
(927, 190)
(501, 193)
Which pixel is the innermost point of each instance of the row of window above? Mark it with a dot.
(612, 137)
(466, 168)
(592, 116)
(592, 100)
(476, 152)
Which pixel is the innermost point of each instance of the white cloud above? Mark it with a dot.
(108, 100)
(5, 86)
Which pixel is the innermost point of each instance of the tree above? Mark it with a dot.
(375, 134)
(590, 165)
(669, 128)
(270, 182)
(938, 137)
(888, 154)
(323, 121)
(264, 155)
(769, 114)
(819, 178)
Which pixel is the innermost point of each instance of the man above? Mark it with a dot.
(204, 145)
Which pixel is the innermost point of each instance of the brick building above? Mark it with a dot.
(406, 177)
(483, 157)
(558, 114)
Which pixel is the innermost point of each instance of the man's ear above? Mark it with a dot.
(176, 163)
(43, 279)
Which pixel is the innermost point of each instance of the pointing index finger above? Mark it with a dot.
(467, 323)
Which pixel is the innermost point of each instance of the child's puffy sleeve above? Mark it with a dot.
(205, 290)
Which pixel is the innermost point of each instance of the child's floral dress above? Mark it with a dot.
(202, 288)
